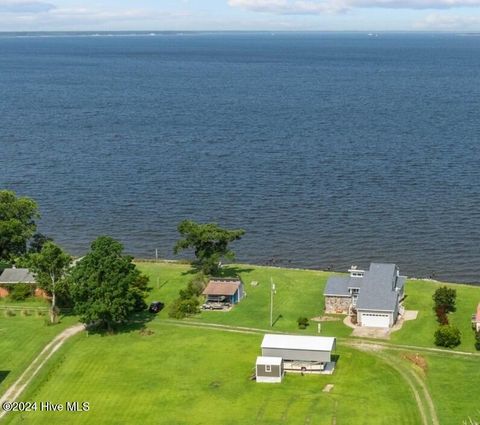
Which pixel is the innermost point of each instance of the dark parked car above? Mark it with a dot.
(156, 307)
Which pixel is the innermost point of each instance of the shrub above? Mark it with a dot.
(447, 336)
(4, 265)
(20, 291)
(302, 322)
(11, 313)
(181, 308)
(477, 341)
(194, 288)
(446, 298)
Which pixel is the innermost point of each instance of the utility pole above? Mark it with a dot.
(272, 293)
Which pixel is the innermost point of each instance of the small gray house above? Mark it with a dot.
(375, 295)
(269, 369)
(13, 276)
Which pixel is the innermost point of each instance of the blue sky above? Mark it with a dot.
(317, 15)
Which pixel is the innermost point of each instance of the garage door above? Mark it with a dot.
(376, 320)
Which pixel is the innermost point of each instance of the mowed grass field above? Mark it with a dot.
(181, 375)
(300, 293)
(21, 339)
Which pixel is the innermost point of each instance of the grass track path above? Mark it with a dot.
(17, 388)
(420, 391)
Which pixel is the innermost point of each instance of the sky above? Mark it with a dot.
(269, 15)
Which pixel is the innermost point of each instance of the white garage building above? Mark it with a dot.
(300, 353)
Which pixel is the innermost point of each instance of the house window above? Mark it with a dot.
(268, 368)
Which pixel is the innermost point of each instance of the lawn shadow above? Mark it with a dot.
(229, 270)
(136, 323)
(277, 319)
(233, 271)
(3, 375)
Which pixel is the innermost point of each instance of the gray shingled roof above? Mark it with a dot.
(378, 289)
(337, 286)
(16, 276)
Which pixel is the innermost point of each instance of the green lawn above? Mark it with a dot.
(181, 375)
(196, 376)
(21, 339)
(29, 302)
(300, 293)
(453, 384)
(420, 331)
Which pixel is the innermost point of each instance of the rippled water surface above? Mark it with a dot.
(329, 149)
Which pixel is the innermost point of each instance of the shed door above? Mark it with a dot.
(376, 320)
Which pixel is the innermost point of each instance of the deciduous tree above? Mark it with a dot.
(209, 242)
(447, 336)
(17, 224)
(37, 242)
(445, 298)
(106, 286)
(50, 266)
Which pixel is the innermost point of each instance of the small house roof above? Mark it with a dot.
(338, 286)
(222, 287)
(298, 342)
(15, 275)
(265, 361)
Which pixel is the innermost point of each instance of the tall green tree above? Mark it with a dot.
(50, 266)
(209, 242)
(106, 286)
(445, 298)
(17, 224)
(37, 242)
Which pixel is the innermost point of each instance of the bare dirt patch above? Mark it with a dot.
(325, 319)
(327, 388)
(417, 360)
(365, 332)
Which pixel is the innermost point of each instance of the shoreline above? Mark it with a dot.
(188, 262)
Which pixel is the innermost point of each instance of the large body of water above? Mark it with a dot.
(328, 149)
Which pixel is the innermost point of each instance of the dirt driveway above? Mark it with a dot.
(364, 332)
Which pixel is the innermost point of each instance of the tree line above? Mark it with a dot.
(104, 287)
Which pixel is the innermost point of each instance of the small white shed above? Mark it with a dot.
(269, 369)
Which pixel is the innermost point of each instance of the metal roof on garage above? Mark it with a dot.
(298, 342)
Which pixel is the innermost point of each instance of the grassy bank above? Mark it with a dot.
(300, 293)
(21, 339)
(178, 375)
(198, 376)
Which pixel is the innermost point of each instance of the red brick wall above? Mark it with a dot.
(40, 293)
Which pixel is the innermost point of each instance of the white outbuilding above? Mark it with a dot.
(301, 353)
